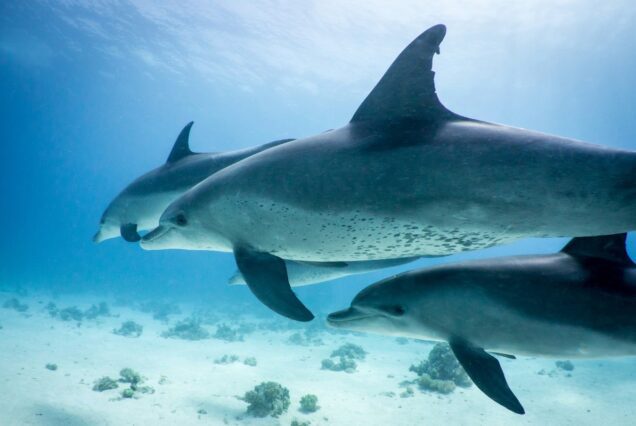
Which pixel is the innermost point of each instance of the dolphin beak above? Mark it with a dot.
(152, 238)
(346, 316)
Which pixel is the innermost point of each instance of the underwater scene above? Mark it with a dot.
(317, 212)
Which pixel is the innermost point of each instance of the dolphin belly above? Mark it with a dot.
(295, 233)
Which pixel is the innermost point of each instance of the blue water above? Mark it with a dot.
(93, 95)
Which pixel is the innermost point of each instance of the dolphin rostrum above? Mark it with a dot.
(577, 303)
(405, 177)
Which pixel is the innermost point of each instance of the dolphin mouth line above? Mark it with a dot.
(338, 318)
(156, 234)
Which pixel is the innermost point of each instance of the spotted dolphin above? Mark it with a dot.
(578, 303)
(405, 177)
(140, 205)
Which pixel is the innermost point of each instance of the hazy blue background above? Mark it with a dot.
(93, 94)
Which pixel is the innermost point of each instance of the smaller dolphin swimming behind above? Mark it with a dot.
(580, 302)
(140, 205)
(306, 273)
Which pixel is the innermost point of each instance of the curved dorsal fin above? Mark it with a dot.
(407, 89)
(608, 247)
(181, 147)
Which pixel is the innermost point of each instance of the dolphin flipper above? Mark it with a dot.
(266, 276)
(486, 373)
(129, 232)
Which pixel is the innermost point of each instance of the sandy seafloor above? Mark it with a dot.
(598, 391)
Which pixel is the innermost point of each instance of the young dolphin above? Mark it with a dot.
(140, 205)
(405, 177)
(306, 273)
(580, 302)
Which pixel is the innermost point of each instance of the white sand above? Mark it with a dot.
(599, 392)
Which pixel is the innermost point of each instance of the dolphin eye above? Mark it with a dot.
(181, 220)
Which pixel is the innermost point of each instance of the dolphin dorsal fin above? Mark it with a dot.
(608, 247)
(181, 147)
(407, 89)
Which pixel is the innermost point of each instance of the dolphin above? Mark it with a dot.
(405, 177)
(306, 273)
(578, 303)
(140, 205)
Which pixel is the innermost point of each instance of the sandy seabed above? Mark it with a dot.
(197, 391)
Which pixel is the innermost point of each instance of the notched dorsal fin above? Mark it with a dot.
(181, 147)
(608, 247)
(407, 89)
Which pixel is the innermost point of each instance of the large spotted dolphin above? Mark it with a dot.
(139, 206)
(578, 303)
(405, 177)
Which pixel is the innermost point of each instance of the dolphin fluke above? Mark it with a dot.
(266, 276)
(129, 232)
(181, 146)
(485, 371)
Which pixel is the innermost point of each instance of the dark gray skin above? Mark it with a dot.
(578, 303)
(406, 177)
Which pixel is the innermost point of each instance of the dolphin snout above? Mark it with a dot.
(155, 237)
(341, 318)
(98, 237)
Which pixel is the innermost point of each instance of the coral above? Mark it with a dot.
(201, 411)
(52, 309)
(129, 329)
(72, 313)
(128, 375)
(442, 365)
(101, 310)
(187, 329)
(299, 423)
(227, 359)
(425, 382)
(267, 399)
(127, 393)
(346, 354)
(344, 364)
(407, 393)
(250, 360)
(565, 365)
(51, 367)
(306, 338)
(160, 311)
(15, 304)
(309, 403)
(105, 383)
(351, 351)
(227, 333)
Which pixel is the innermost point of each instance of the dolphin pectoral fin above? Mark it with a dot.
(236, 279)
(129, 232)
(486, 373)
(266, 275)
(407, 89)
